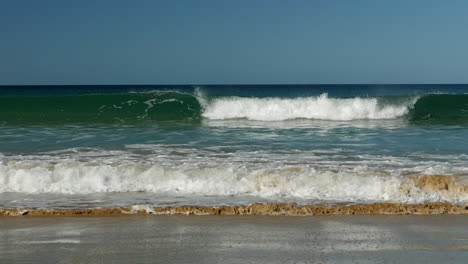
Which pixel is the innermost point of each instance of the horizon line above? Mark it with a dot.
(235, 84)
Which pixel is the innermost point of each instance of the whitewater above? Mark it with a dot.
(282, 183)
(321, 107)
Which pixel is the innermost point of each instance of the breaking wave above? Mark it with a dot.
(321, 107)
(300, 182)
(176, 106)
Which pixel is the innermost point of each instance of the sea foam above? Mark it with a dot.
(321, 107)
(298, 182)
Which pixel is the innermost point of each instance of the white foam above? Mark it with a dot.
(287, 182)
(201, 97)
(321, 107)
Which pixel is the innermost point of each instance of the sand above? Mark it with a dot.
(270, 209)
(235, 239)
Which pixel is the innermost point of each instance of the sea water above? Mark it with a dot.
(105, 146)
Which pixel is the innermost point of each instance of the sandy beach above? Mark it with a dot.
(235, 239)
(265, 209)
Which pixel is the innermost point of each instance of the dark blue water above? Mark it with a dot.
(281, 90)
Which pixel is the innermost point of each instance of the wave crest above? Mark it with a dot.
(321, 107)
(176, 106)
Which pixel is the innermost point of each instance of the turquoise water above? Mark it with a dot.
(87, 146)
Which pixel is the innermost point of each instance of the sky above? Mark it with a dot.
(233, 42)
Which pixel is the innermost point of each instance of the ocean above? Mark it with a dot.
(93, 146)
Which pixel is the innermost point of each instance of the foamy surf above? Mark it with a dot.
(321, 107)
(232, 184)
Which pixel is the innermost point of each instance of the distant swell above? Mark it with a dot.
(158, 106)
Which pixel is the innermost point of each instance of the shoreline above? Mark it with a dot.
(265, 209)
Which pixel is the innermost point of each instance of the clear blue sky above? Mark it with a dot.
(233, 42)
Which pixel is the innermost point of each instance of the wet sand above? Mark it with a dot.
(272, 209)
(235, 239)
